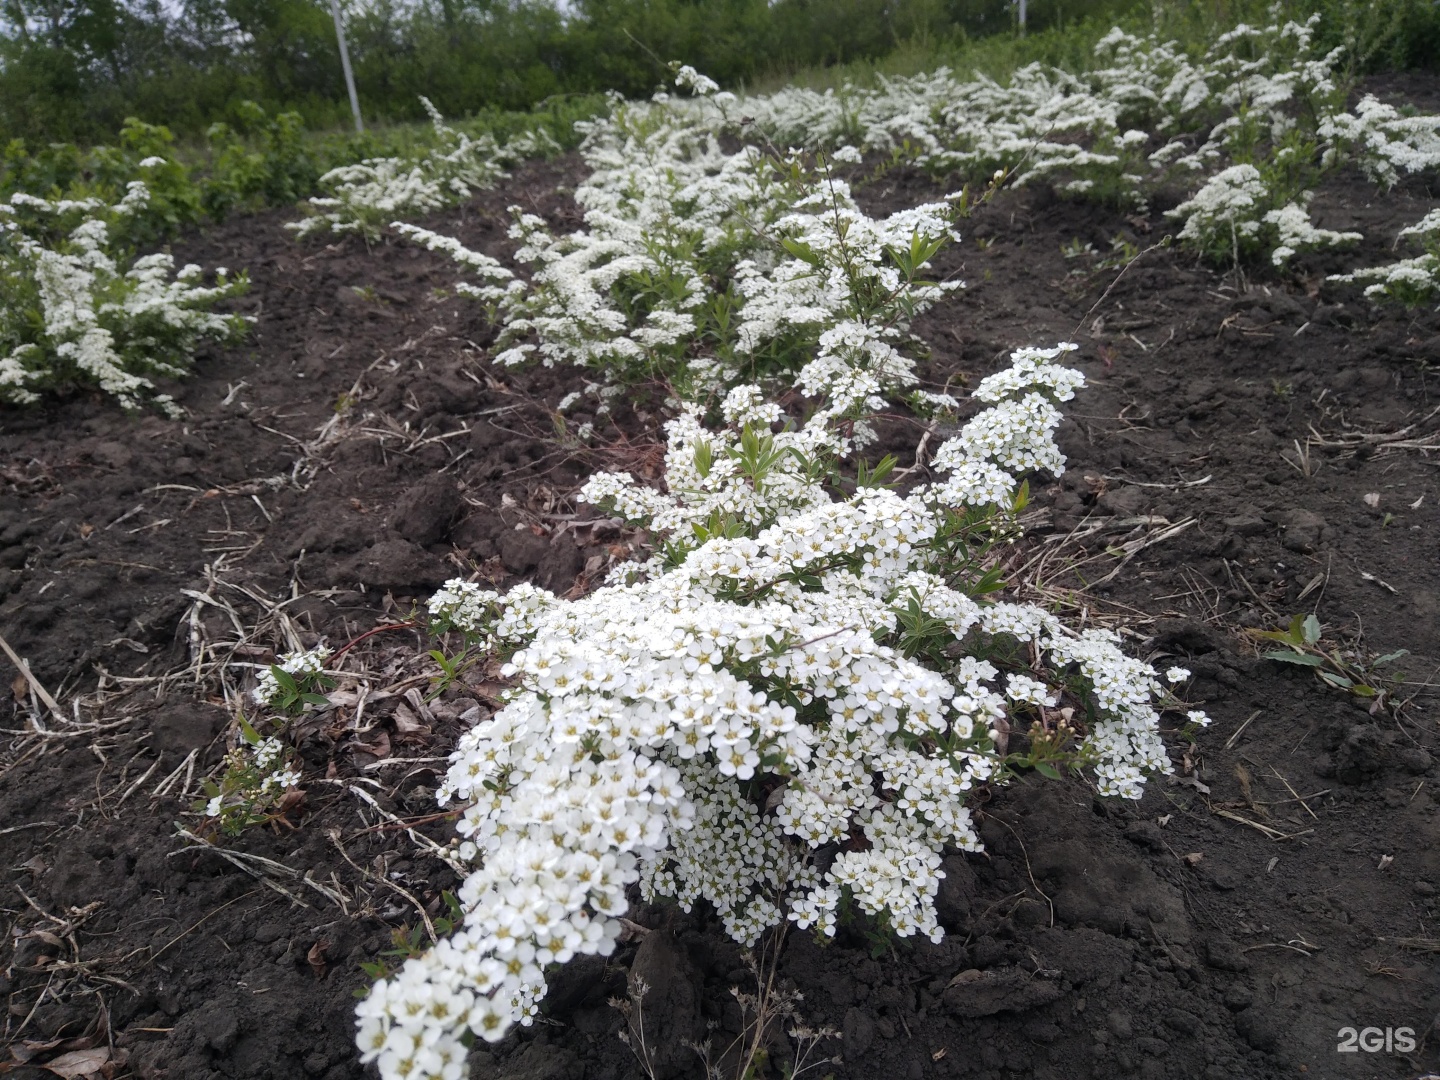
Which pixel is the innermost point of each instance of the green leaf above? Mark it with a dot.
(1340, 682)
(247, 732)
(1311, 629)
(802, 251)
(1289, 656)
(1390, 656)
(284, 678)
(1272, 635)
(1047, 770)
(1361, 690)
(1022, 497)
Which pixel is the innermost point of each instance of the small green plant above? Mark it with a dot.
(253, 788)
(1301, 643)
(412, 940)
(451, 668)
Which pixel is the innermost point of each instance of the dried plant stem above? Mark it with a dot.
(35, 685)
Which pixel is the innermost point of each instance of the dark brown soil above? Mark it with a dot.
(1164, 939)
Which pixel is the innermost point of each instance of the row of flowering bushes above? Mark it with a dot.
(1248, 129)
(784, 711)
(702, 262)
(365, 196)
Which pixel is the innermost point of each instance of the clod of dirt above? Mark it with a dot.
(1112, 893)
(974, 993)
(1084, 957)
(1256, 1029)
(1224, 954)
(1185, 636)
(479, 534)
(1247, 523)
(957, 889)
(1362, 754)
(1304, 530)
(1415, 761)
(398, 566)
(425, 513)
(857, 1033)
(1147, 834)
(537, 1061)
(669, 1004)
(559, 566)
(521, 550)
(184, 727)
(1123, 501)
(340, 532)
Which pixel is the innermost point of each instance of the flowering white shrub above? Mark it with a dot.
(1383, 140)
(1295, 232)
(1228, 218)
(702, 267)
(1267, 99)
(780, 714)
(1225, 212)
(73, 313)
(368, 195)
(1410, 281)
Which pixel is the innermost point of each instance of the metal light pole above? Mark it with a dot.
(1020, 3)
(349, 74)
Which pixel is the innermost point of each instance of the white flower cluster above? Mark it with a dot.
(1228, 214)
(743, 721)
(1297, 233)
(1088, 133)
(367, 196)
(1411, 281)
(1225, 212)
(73, 312)
(257, 774)
(273, 775)
(303, 666)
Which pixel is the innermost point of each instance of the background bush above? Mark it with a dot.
(75, 69)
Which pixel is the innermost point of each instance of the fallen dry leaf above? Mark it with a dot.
(1191, 781)
(83, 1063)
(379, 745)
(36, 865)
(293, 799)
(407, 724)
(316, 958)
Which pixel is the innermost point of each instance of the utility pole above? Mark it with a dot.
(350, 75)
(1020, 4)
